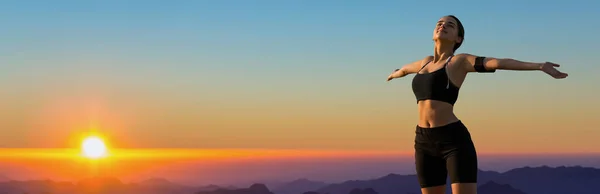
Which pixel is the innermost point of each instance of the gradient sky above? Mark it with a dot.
(294, 74)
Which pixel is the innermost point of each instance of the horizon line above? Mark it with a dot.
(223, 153)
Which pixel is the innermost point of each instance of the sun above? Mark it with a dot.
(93, 147)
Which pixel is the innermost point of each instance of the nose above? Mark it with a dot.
(444, 25)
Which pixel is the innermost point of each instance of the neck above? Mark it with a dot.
(442, 51)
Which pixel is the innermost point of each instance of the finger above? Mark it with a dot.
(560, 75)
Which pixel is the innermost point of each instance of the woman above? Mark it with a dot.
(443, 144)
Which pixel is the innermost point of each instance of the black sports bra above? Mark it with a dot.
(435, 85)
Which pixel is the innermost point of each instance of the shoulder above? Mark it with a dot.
(416, 65)
(420, 62)
(426, 59)
(475, 63)
(463, 57)
(466, 59)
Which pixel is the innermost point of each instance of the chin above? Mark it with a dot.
(442, 38)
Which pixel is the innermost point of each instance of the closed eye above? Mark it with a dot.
(451, 24)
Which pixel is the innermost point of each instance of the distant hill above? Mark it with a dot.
(363, 191)
(157, 182)
(253, 189)
(160, 185)
(100, 185)
(36, 186)
(530, 180)
(526, 180)
(549, 180)
(4, 178)
(298, 186)
(389, 184)
(492, 187)
(213, 187)
(487, 188)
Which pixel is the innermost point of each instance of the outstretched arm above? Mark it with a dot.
(472, 63)
(410, 68)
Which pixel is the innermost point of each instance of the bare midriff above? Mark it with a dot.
(434, 113)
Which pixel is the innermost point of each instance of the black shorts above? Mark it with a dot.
(442, 151)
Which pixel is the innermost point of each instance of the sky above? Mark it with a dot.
(273, 75)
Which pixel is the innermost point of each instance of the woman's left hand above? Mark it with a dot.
(550, 69)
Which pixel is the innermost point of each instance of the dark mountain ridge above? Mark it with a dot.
(525, 180)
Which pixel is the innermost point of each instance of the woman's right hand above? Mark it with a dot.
(396, 74)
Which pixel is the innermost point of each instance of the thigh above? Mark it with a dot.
(431, 169)
(462, 164)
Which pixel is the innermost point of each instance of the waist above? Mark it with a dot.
(453, 126)
(455, 132)
(434, 113)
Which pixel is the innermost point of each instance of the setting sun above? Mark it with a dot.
(93, 147)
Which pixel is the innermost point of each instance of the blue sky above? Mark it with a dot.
(334, 54)
(352, 38)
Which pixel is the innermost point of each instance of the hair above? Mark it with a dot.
(461, 31)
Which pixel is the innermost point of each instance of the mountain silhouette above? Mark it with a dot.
(157, 182)
(36, 186)
(530, 180)
(389, 184)
(256, 188)
(100, 185)
(353, 191)
(549, 180)
(4, 178)
(160, 185)
(213, 187)
(311, 192)
(298, 186)
(525, 180)
(363, 191)
(492, 187)
(11, 187)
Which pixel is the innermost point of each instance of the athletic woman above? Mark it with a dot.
(443, 145)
